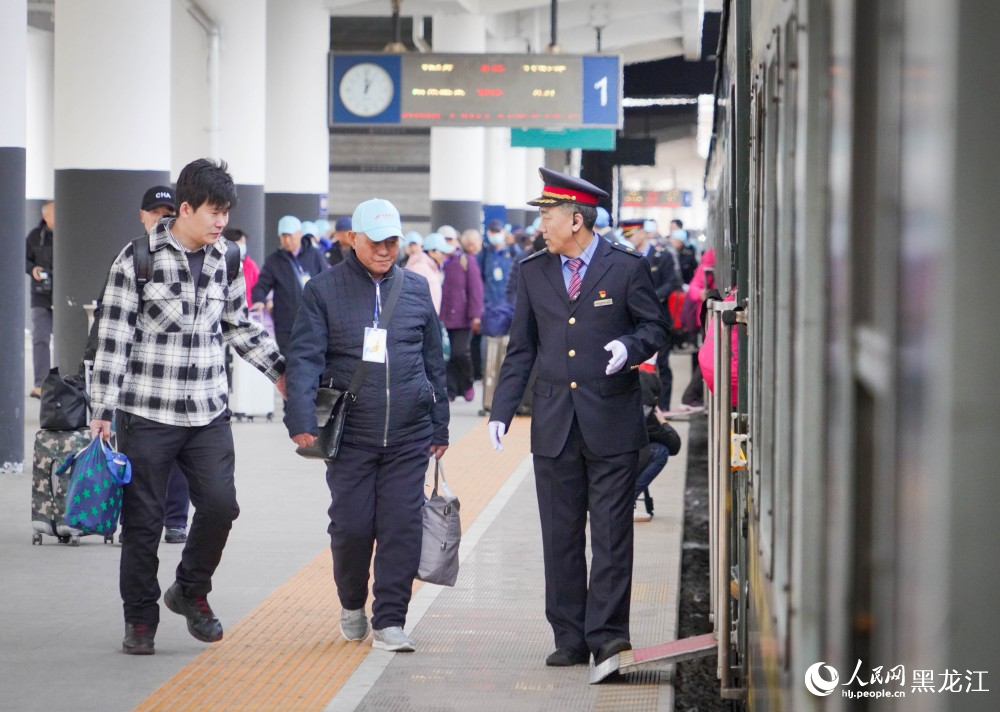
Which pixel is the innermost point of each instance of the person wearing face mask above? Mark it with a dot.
(495, 262)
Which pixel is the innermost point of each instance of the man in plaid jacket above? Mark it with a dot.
(161, 365)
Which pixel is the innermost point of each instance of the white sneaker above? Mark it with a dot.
(354, 624)
(392, 639)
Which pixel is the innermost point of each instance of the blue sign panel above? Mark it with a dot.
(601, 78)
(518, 90)
(365, 89)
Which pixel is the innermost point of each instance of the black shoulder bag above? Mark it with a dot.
(332, 405)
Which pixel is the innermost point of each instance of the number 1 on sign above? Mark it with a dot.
(603, 86)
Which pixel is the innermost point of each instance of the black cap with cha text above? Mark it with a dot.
(158, 195)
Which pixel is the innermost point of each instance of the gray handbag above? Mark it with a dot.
(442, 534)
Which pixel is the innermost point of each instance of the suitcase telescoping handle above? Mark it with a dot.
(88, 372)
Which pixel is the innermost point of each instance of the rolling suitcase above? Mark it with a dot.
(48, 491)
(496, 349)
(252, 392)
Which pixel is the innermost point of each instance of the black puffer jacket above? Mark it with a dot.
(38, 253)
(326, 343)
(281, 274)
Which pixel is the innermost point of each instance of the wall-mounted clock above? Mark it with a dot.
(366, 89)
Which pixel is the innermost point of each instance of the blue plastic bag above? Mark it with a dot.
(95, 477)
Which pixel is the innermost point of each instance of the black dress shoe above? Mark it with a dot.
(611, 648)
(565, 657)
(201, 621)
(139, 639)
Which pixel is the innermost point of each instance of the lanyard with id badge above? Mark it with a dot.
(332, 404)
(376, 339)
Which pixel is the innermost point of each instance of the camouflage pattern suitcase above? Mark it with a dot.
(48, 492)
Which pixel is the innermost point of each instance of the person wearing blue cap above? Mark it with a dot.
(412, 244)
(602, 225)
(427, 262)
(368, 313)
(285, 272)
(341, 241)
(586, 316)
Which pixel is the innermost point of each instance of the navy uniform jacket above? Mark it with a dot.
(617, 301)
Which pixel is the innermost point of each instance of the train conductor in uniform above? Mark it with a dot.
(587, 314)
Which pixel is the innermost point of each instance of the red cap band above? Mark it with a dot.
(573, 196)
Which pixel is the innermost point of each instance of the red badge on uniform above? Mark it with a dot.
(603, 294)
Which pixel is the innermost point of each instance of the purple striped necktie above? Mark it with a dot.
(575, 280)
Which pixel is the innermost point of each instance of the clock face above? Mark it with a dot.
(366, 89)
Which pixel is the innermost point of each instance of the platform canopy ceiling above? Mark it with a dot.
(639, 30)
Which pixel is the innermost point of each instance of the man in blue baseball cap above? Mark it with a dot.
(596, 306)
(285, 273)
(349, 319)
(341, 242)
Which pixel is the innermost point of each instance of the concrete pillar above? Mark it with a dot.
(39, 184)
(219, 100)
(457, 154)
(112, 141)
(516, 188)
(496, 144)
(534, 159)
(13, 53)
(298, 136)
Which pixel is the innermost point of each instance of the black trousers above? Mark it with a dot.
(460, 364)
(205, 456)
(568, 486)
(377, 497)
(176, 508)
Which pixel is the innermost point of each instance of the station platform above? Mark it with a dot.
(480, 645)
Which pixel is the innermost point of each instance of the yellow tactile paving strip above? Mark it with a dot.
(287, 653)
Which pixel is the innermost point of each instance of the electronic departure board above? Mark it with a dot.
(518, 90)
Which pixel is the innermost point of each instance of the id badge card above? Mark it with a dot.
(498, 274)
(375, 341)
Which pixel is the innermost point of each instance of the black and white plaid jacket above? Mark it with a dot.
(168, 364)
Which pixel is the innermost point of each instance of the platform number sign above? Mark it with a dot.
(601, 90)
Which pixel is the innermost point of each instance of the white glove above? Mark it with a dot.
(497, 430)
(618, 356)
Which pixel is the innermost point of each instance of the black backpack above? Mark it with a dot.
(142, 259)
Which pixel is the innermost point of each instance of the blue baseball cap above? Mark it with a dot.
(289, 225)
(603, 217)
(413, 237)
(378, 219)
(309, 228)
(322, 227)
(436, 241)
(342, 225)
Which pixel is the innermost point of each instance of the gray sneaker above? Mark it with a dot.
(392, 639)
(354, 624)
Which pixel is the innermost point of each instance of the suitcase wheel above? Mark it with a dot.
(109, 538)
(36, 538)
(62, 538)
(74, 541)
(270, 417)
